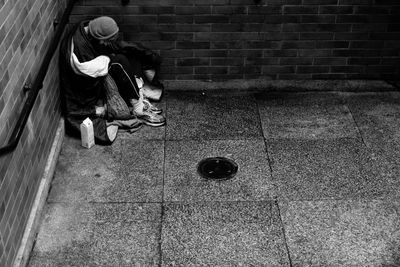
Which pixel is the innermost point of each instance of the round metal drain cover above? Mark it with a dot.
(217, 168)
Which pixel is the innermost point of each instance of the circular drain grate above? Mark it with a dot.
(217, 168)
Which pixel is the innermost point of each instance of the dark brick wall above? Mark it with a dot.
(26, 29)
(274, 39)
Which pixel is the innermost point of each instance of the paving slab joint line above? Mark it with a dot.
(358, 127)
(179, 202)
(284, 233)
(274, 190)
(161, 231)
(33, 223)
(162, 201)
(104, 202)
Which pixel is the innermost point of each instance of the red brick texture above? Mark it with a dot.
(267, 39)
(26, 30)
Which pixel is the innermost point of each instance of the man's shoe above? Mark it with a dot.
(150, 107)
(151, 119)
(152, 92)
(147, 116)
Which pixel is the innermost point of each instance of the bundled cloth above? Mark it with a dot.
(117, 109)
(131, 126)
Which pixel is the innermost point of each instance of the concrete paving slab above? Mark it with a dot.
(79, 171)
(378, 117)
(343, 233)
(127, 171)
(145, 133)
(183, 183)
(192, 115)
(98, 235)
(72, 149)
(326, 169)
(223, 234)
(305, 116)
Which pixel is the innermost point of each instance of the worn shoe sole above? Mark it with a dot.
(148, 120)
(151, 123)
(158, 111)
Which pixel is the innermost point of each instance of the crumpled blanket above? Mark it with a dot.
(131, 125)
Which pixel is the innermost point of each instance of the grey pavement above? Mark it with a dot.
(318, 184)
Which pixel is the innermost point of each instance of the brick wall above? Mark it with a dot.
(267, 39)
(26, 30)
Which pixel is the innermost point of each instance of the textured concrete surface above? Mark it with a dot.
(318, 185)
(223, 234)
(212, 116)
(377, 116)
(119, 234)
(183, 183)
(322, 169)
(118, 173)
(306, 116)
(343, 232)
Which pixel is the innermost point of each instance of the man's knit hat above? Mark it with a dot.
(103, 28)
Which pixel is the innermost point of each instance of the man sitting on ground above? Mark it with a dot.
(108, 80)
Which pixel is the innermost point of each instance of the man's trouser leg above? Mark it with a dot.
(124, 73)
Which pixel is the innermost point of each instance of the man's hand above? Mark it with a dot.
(100, 111)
